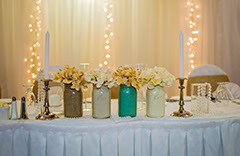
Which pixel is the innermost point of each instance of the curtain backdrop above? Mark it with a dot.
(145, 31)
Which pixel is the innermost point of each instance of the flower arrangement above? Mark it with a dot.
(129, 76)
(157, 76)
(100, 77)
(70, 75)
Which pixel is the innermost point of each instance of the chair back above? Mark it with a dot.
(206, 73)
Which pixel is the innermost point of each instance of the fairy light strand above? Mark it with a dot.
(108, 9)
(34, 59)
(194, 32)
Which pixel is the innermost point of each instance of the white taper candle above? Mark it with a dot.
(181, 61)
(46, 56)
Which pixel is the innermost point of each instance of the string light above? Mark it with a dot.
(34, 28)
(193, 21)
(108, 33)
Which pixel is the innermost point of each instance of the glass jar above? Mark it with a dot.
(127, 102)
(4, 111)
(72, 102)
(155, 100)
(101, 102)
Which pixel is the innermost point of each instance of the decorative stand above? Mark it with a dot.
(46, 114)
(181, 112)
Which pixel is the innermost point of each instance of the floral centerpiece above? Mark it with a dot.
(129, 76)
(71, 75)
(128, 79)
(73, 79)
(156, 78)
(100, 77)
(102, 80)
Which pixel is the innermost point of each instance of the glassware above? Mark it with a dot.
(85, 67)
(223, 94)
(33, 107)
(141, 66)
(201, 95)
(4, 111)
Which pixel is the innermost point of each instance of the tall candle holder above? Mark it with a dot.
(181, 112)
(46, 113)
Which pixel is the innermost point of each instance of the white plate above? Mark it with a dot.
(176, 98)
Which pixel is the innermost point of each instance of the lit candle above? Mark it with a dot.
(46, 56)
(181, 72)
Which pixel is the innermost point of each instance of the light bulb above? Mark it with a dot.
(192, 66)
(38, 34)
(188, 43)
(107, 56)
(111, 19)
(197, 16)
(107, 47)
(29, 81)
(109, 25)
(192, 61)
(39, 64)
(31, 30)
(188, 3)
(100, 65)
(105, 62)
(33, 53)
(25, 59)
(38, 57)
(40, 29)
(106, 36)
(196, 6)
(38, 69)
(31, 16)
(30, 25)
(111, 6)
(28, 71)
(191, 55)
(195, 39)
(34, 45)
(31, 60)
(105, 9)
(194, 23)
(111, 34)
(191, 26)
(192, 10)
(107, 42)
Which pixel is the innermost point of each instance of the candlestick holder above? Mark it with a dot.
(181, 112)
(46, 114)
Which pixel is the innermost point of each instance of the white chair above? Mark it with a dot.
(206, 73)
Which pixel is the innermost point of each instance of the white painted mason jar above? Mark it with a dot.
(101, 102)
(155, 102)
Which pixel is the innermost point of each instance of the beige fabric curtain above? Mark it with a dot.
(146, 31)
(220, 36)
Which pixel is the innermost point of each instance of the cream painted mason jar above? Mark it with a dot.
(101, 102)
(155, 100)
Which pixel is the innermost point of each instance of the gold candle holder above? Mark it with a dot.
(46, 114)
(181, 112)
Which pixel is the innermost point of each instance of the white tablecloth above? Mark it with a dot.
(217, 133)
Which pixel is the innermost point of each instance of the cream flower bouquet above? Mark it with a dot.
(157, 76)
(129, 76)
(71, 75)
(100, 77)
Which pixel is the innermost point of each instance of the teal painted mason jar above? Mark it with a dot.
(127, 103)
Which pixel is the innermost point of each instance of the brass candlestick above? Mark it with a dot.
(181, 112)
(46, 114)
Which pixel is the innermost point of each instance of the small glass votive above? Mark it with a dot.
(200, 95)
(4, 111)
